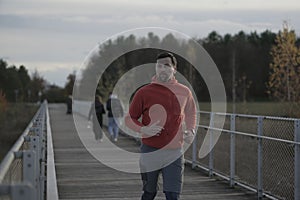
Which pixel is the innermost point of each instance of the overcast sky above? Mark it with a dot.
(54, 36)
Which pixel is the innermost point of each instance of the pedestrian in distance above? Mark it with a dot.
(115, 113)
(96, 113)
(69, 104)
(164, 113)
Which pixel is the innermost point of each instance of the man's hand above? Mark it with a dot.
(188, 136)
(152, 130)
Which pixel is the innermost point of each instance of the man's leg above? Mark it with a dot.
(173, 179)
(100, 120)
(110, 126)
(115, 129)
(96, 128)
(148, 195)
(149, 185)
(149, 179)
(172, 195)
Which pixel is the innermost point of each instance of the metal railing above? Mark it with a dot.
(23, 169)
(260, 153)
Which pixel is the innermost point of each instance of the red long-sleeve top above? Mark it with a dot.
(169, 103)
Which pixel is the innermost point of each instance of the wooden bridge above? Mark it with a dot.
(81, 176)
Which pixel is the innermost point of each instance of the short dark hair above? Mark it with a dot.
(166, 55)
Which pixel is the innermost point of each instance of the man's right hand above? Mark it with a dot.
(152, 130)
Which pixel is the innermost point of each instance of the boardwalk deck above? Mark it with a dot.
(81, 176)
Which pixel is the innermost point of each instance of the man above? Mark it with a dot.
(163, 106)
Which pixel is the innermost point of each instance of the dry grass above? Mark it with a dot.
(279, 109)
(13, 121)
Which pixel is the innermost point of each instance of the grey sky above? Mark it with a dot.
(54, 36)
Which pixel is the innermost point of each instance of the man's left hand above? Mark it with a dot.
(188, 136)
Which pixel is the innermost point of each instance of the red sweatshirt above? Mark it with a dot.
(170, 103)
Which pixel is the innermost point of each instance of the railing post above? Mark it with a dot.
(22, 191)
(297, 160)
(194, 153)
(232, 150)
(29, 171)
(211, 140)
(259, 158)
(35, 146)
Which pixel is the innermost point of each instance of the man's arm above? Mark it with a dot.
(190, 119)
(190, 113)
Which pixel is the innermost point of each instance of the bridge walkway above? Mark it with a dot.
(81, 176)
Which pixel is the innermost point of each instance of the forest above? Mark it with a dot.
(17, 86)
(249, 63)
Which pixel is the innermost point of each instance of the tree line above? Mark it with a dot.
(244, 61)
(16, 85)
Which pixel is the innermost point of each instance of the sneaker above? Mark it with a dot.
(101, 140)
(115, 139)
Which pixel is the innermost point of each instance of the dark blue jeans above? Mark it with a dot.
(169, 196)
(113, 127)
(172, 175)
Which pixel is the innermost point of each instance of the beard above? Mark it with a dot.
(164, 77)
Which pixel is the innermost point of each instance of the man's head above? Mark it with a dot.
(166, 65)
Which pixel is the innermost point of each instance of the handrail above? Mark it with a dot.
(52, 191)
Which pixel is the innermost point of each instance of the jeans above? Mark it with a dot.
(113, 127)
(172, 175)
(169, 195)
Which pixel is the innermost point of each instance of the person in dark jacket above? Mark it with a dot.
(69, 104)
(115, 112)
(97, 115)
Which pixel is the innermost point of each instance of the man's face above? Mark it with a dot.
(164, 69)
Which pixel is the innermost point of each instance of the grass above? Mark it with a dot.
(13, 122)
(279, 109)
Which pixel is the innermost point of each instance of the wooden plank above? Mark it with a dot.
(81, 176)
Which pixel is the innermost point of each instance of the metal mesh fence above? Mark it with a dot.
(246, 151)
(246, 160)
(221, 161)
(278, 152)
(278, 158)
(278, 169)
